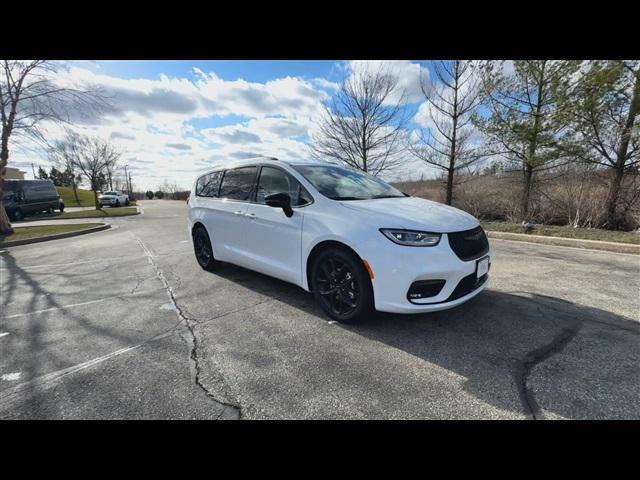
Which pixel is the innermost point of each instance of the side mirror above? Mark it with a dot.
(280, 200)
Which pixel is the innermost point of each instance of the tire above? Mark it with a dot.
(341, 286)
(18, 215)
(50, 210)
(202, 248)
(127, 203)
(100, 205)
(117, 203)
(61, 207)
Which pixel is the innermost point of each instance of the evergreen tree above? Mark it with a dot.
(523, 122)
(602, 108)
(56, 176)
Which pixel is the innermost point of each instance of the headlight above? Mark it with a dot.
(411, 238)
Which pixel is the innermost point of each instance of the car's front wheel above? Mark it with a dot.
(117, 203)
(203, 249)
(342, 286)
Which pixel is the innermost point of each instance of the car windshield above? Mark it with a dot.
(110, 193)
(340, 183)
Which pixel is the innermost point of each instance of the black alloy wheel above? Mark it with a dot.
(202, 248)
(342, 286)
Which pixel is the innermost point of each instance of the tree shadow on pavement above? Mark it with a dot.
(39, 347)
(540, 357)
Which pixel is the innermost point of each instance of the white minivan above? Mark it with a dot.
(354, 241)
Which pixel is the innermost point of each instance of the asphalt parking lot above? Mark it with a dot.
(124, 324)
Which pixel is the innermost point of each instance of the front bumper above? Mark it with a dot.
(396, 267)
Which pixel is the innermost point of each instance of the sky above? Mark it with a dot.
(175, 119)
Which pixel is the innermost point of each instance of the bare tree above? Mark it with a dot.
(29, 97)
(451, 100)
(363, 124)
(61, 159)
(93, 157)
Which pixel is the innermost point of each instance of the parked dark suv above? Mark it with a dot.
(26, 197)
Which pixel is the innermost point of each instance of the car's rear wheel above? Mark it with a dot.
(203, 249)
(18, 215)
(50, 210)
(61, 207)
(342, 286)
(117, 203)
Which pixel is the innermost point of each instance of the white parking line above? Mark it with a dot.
(77, 263)
(4, 334)
(49, 377)
(11, 377)
(64, 307)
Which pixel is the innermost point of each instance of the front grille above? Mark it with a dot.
(470, 244)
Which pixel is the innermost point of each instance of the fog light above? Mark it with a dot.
(425, 289)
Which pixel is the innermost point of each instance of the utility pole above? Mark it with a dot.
(126, 180)
(33, 169)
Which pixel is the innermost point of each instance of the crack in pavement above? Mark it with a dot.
(557, 344)
(535, 357)
(190, 323)
(133, 290)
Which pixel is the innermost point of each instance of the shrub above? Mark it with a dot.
(571, 196)
(149, 195)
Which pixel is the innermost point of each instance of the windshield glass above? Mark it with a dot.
(340, 183)
(110, 193)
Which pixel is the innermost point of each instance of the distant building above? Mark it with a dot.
(14, 174)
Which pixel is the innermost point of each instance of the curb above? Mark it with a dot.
(106, 217)
(568, 242)
(57, 236)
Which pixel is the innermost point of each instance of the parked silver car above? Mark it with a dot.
(113, 199)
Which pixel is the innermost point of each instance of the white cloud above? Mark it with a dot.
(407, 73)
(149, 120)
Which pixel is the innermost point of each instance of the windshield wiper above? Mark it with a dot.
(346, 198)
(386, 196)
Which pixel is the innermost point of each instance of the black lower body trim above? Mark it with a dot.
(468, 284)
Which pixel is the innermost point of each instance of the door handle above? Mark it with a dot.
(250, 215)
(238, 212)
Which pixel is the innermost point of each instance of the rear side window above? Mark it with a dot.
(237, 184)
(273, 180)
(207, 185)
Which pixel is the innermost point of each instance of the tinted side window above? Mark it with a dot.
(200, 185)
(237, 184)
(273, 180)
(207, 185)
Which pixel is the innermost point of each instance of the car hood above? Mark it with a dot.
(413, 213)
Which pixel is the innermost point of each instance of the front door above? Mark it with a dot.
(273, 245)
